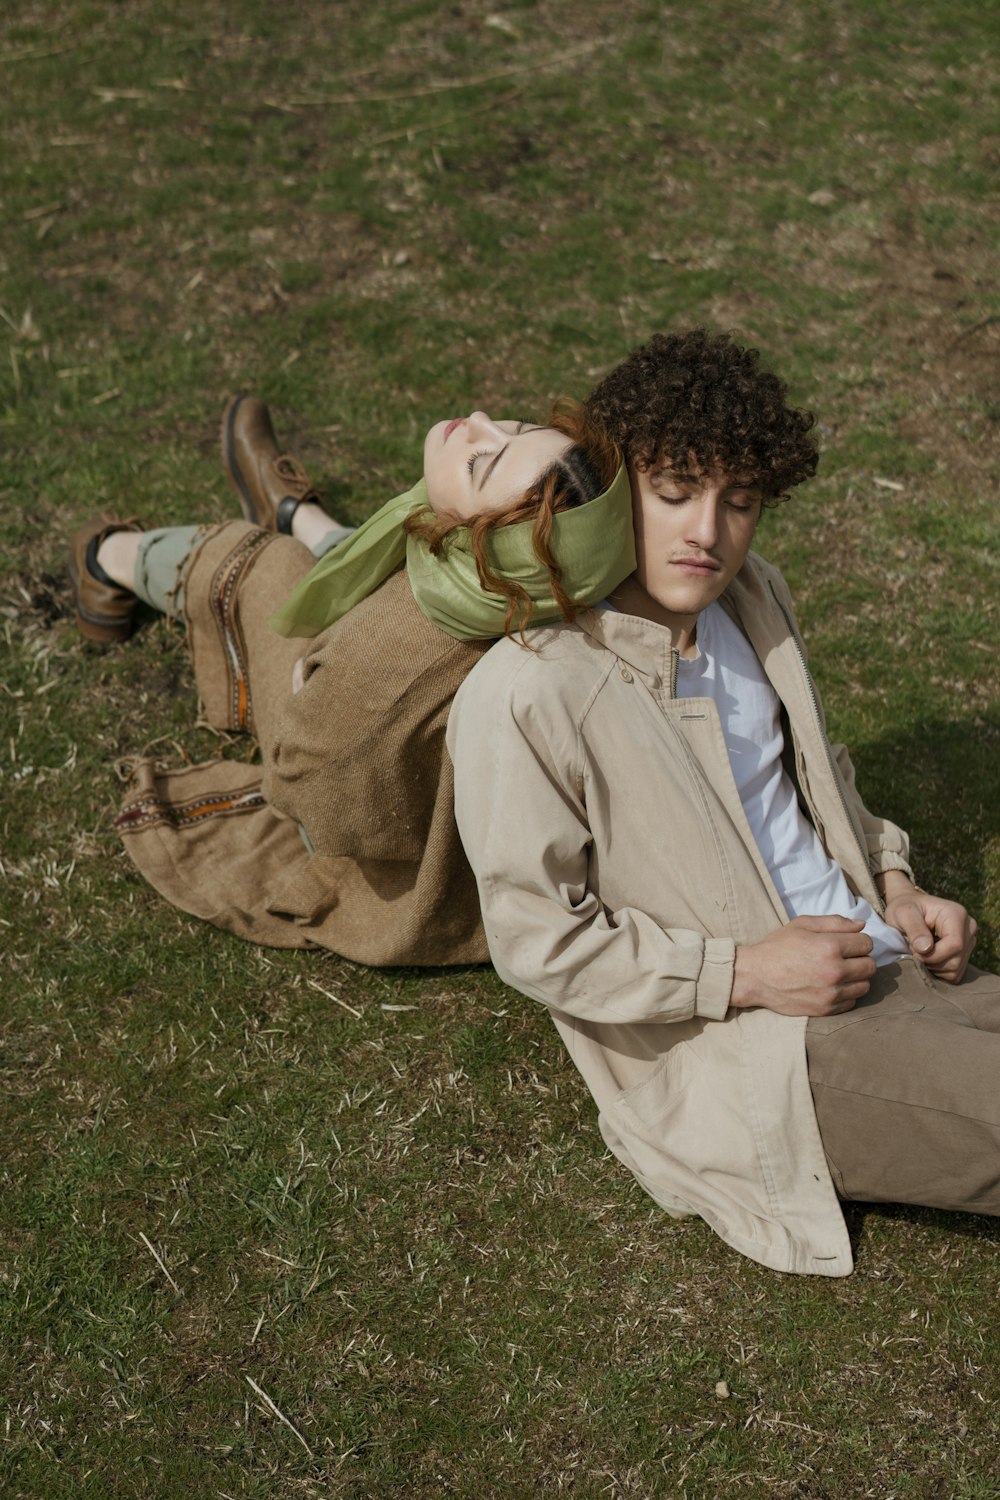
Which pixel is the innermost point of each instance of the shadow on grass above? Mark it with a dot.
(972, 1226)
(940, 781)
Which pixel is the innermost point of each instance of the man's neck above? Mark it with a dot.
(632, 599)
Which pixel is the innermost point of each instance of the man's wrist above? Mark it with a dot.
(893, 883)
(746, 988)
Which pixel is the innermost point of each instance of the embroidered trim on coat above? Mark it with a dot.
(149, 810)
(222, 594)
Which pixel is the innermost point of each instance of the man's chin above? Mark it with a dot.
(689, 594)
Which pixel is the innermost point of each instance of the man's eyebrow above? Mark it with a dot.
(491, 466)
(735, 484)
(661, 472)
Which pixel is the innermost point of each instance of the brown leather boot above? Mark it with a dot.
(270, 484)
(103, 608)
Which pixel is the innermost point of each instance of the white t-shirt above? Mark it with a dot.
(810, 883)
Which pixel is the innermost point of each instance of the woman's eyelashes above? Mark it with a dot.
(523, 423)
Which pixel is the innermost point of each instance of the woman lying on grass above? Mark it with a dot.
(344, 669)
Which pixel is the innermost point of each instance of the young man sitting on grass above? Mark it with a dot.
(672, 857)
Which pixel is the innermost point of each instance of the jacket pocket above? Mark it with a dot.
(649, 1104)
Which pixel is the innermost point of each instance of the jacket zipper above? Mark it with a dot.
(814, 700)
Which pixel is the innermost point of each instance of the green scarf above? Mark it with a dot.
(592, 544)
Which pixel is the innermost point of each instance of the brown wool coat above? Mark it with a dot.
(356, 758)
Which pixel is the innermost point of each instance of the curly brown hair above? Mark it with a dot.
(581, 474)
(701, 398)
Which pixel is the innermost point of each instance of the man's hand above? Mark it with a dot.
(941, 934)
(813, 966)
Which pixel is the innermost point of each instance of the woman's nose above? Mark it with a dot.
(480, 427)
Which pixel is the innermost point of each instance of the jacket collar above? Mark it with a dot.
(647, 648)
(644, 646)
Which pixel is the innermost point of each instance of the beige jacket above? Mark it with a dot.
(617, 873)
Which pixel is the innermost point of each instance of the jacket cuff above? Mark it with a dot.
(882, 860)
(715, 982)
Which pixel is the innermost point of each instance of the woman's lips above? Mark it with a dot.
(455, 422)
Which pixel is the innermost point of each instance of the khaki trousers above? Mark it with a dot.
(907, 1090)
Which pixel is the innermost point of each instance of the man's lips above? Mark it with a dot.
(700, 566)
(455, 422)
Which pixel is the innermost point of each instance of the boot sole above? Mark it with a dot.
(103, 629)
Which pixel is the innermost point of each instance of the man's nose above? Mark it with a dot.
(704, 528)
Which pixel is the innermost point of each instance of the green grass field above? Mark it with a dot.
(277, 1226)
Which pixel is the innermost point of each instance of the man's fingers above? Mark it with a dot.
(951, 966)
(910, 921)
(956, 931)
(845, 998)
(852, 993)
(858, 945)
(827, 924)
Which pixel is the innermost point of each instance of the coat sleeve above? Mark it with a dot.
(524, 826)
